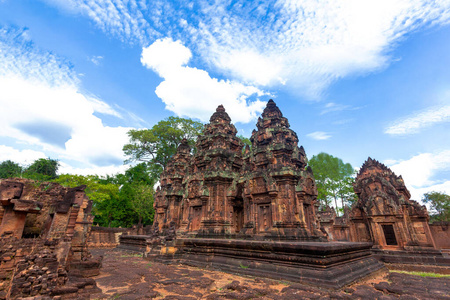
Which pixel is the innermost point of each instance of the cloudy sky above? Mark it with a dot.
(355, 78)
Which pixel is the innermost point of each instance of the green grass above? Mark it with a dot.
(423, 274)
(131, 255)
(242, 266)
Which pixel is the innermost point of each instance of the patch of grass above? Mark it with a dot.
(242, 266)
(131, 255)
(423, 274)
(149, 264)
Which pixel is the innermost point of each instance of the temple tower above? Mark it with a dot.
(279, 194)
(214, 167)
(171, 190)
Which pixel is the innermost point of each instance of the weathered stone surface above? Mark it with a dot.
(248, 210)
(385, 215)
(146, 280)
(223, 190)
(41, 252)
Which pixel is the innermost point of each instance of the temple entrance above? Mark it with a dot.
(264, 217)
(196, 217)
(389, 235)
(238, 218)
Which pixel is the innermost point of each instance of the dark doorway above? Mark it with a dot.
(389, 235)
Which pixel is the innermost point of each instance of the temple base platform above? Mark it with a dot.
(329, 265)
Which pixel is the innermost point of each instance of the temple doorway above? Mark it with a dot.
(238, 218)
(264, 217)
(196, 217)
(389, 235)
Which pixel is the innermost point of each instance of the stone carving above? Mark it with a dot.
(383, 214)
(223, 190)
(248, 210)
(391, 219)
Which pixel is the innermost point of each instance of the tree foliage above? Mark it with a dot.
(439, 204)
(158, 144)
(334, 180)
(42, 169)
(10, 169)
(120, 200)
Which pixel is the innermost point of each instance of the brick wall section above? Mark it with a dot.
(29, 268)
(441, 234)
(105, 237)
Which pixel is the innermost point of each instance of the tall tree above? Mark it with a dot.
(334, 179)
(440, 205)
(158, 144)
(42, 169)
(10, 169)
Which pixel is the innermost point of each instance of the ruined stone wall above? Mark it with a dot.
(29, 268)
(44, 229)
(441, 234)
(104, 237)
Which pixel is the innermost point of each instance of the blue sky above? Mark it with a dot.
(354, 78)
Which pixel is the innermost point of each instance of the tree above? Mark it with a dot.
(104, 193)
(440, 204)
(334, 179)
(158, 144)
(10, 169)
(42, 169)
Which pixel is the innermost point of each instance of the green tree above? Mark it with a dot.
(245, 140)
(10, 169)
(158, 144)
(440, 205)
(42, 169)
(104, 194)
(334, 180)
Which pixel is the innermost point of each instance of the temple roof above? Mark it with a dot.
(220, 114)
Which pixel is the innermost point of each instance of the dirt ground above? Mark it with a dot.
(125, 275)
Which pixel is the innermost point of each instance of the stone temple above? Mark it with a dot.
(228, 190)
(250, 210)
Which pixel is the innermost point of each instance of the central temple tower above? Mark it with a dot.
(262, 192)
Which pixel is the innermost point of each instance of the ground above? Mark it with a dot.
(125, 275)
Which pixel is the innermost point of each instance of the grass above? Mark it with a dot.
(242, 266)
(131, 255)
(423, 274)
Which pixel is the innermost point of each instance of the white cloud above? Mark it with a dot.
(96, 59)
(101, 171)
(419, 170)
(335, 107)
(42, 106)
(319, 135)
(303, 44)
(22, 157)
(420, 120)
(192, 92)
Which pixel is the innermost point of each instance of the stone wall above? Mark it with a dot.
(43, 246)
(441, 234)
(105, 237)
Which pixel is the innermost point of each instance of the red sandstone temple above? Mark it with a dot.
(250, 210)
(227, 190)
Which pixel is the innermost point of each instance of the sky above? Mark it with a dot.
(355, 78)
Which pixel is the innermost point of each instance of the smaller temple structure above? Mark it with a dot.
(44, 230)
(385, 215)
